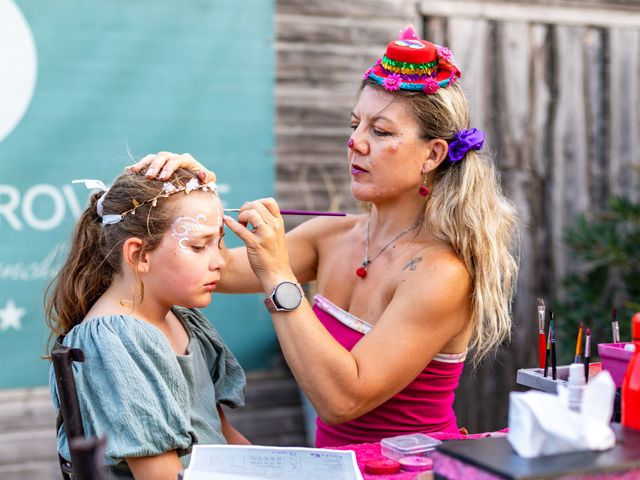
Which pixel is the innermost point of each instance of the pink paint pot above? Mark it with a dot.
(415, 463)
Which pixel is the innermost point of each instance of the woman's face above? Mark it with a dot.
(386, 153)
(186, 266)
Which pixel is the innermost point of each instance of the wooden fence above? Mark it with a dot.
(555, 85)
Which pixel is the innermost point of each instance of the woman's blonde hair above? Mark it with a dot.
(466, 208)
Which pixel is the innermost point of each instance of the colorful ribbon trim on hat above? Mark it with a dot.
(394, 82)
(406, 68)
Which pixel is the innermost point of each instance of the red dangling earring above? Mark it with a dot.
(424, 190)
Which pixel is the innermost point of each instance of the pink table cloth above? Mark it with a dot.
(371, 451)
(453, 469)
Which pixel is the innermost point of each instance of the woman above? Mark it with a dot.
(404, 290)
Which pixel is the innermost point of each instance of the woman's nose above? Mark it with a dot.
(357, 143)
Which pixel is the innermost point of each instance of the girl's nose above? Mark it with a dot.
(217, 260)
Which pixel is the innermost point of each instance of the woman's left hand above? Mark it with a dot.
(163, 164)
(265, 242)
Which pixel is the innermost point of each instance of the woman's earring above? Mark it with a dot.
(424, 190)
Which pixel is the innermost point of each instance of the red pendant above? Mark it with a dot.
(361, 272)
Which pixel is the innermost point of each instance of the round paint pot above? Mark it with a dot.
(381, 467)
(415, 463)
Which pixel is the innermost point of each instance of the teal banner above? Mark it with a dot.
(85, 86)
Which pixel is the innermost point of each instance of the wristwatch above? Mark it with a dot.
(286, 296)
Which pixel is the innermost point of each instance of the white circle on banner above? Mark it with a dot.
(18, 66)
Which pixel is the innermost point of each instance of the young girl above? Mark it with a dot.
(155, 373)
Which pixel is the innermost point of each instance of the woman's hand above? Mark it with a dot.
(163, 164)
(265, 242)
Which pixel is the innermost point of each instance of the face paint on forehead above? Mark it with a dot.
(185, 229)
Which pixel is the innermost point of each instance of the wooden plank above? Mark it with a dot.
(468, 40)
(34, 445)
(624, 111)
(565, 14)
(333, 30)
(513, 115)
(596, 87)
(400, 10)
(569, 193)
(29, 470)
(435, 30)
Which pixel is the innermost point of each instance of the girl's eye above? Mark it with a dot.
(198, 248)
(353, 126)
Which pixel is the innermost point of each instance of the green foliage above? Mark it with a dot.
(606, 246)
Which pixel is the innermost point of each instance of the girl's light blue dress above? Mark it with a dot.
(147, 400)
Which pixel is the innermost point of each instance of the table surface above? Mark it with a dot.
(450, 467)
(371, 451)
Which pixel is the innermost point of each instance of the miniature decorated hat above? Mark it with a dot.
(410, 63)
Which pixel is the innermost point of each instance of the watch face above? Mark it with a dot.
(287, 296)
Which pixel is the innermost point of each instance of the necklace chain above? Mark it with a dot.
(367, 261)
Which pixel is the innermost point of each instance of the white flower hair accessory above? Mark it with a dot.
(168, 189)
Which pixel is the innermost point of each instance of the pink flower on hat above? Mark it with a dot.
(392, 82)
(368, 72)
(445, 54)
(431, 85)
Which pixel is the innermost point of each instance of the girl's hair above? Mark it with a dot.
(95, 253)
(466, 208)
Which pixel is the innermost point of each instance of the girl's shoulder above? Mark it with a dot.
(105, 335)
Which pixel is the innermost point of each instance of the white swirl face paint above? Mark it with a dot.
(193, 229)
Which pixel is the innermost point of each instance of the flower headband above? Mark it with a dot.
(168, 189)
(410, 63)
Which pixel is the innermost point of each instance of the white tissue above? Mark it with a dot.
(542, 424)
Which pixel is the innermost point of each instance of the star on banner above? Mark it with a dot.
(10, 316)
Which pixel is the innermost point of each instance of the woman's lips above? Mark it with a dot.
(210, 287)
(357, 170)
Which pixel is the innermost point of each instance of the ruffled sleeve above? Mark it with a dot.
(226, 373)
(130, 387)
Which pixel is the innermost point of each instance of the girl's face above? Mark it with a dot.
(386, 153)
(187, 264)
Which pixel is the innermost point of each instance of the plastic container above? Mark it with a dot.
(408, 445)
(576, 386)
(631, 384)
(615, 359)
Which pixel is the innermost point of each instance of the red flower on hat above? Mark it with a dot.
(431, 85)
(392, 82)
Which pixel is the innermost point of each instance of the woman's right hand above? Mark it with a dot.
(163, 164)
(265, 242)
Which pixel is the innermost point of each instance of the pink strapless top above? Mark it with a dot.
(425, 405)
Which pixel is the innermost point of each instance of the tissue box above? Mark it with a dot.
(406, 445)
(615, 360)
(534, 377)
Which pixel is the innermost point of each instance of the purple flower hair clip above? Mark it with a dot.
(463, 141)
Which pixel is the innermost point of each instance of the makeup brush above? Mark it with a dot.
(553, 354)
(542, 347)
(587, 354)
(298, 212)
(578, 357)
(614, 326)
(548, 350)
